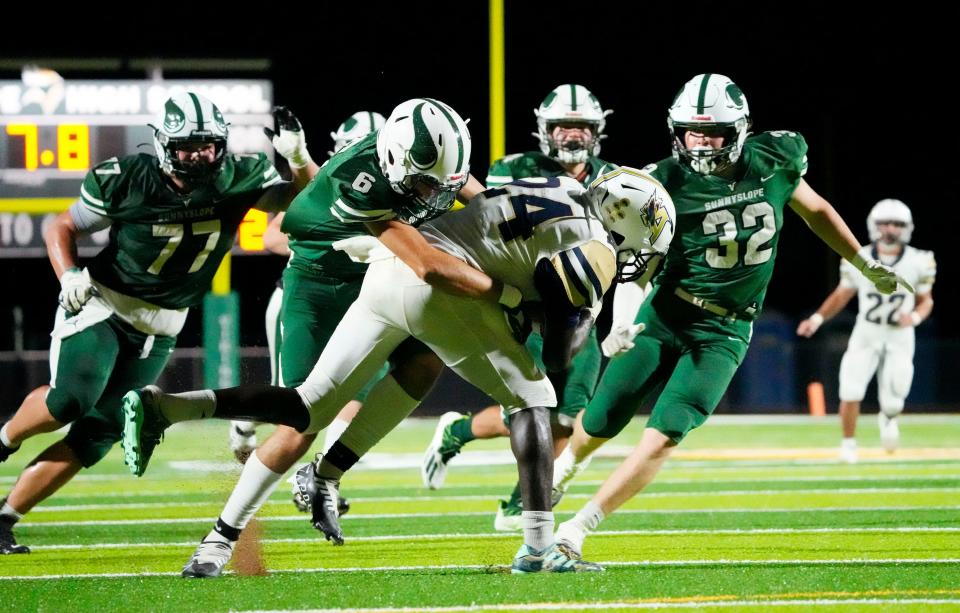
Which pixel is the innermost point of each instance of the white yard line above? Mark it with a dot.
(377, 516)
(514, 535)
(640, 563)
(467, 497)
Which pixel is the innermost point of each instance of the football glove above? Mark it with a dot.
(520, 319)
(620, 339)
(884, 278)
(288, 138)
(75, 290)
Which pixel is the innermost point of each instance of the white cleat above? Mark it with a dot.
(889, 432)
(443, 447)
(208, 560)
(570, 537)
(507, 523)
(848, 451)
(243, 439)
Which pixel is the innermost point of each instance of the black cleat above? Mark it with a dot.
(8, 543)
(323, 497)
(305, 486)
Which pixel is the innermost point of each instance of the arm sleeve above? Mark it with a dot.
(86, 219)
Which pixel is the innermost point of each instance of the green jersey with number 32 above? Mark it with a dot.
(165, 247)
(725, 242)
(348, 191)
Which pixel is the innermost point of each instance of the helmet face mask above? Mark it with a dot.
(638, 213)
(712, 105)
(890, 222)
(570, 106)
(424, 152)
(189, 124)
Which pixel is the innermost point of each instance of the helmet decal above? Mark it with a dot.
(173, 117)
(423, 152)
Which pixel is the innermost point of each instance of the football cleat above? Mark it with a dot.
(509, 516)
(527, 560)
(343, 505)
(243, 439)
(443, 447)
(848, 451)
(889, 432)
(322, 496)
(143, 426)
(570, 537)
(208, 560)
(561, 559)
(8, 543)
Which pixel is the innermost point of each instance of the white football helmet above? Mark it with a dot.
(713, 104)
(890, 211)
(424, 152)
(189, 119)
(573, 104)
(354, 127)
(639, 214)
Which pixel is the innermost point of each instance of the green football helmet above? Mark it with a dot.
(189, 119)
(714, 105)
(424, 152)
(570, 104)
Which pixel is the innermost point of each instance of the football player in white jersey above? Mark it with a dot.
(556, 243)
(882, 340)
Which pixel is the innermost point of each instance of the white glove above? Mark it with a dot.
(360, 248)
(883, 277)
(75, 290)
(288, 138)
(620, 339)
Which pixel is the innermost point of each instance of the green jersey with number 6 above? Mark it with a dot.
(727, 231)
(165, 246)
(349, 190)
(536, 164)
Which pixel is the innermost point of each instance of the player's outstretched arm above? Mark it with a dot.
(826, 223)
(824, 220)
(833, 304)
(440, 269)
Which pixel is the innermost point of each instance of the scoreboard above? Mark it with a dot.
(53, 130)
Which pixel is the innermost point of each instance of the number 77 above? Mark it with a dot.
(175, 233)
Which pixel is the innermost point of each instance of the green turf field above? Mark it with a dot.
(750, 513)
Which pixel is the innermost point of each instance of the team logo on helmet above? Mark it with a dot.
(423, 153)
(174, 117)
(218, 119)
(735, 95)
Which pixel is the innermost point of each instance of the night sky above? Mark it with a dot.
(873, 93)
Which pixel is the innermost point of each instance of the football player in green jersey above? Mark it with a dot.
(730, 191)
(172, 217)
(243, 437)
(383, 183)
(570, 127)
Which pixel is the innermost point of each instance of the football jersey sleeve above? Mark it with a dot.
(585, 273)
(99, 187)
(500, 172)
(928, 273)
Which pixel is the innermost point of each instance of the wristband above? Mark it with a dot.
(816, 319)
(915, 318)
